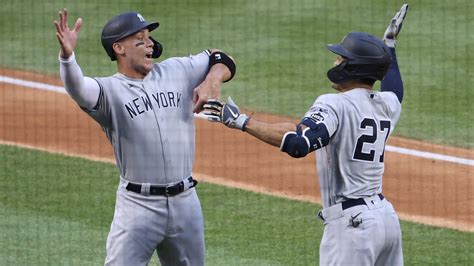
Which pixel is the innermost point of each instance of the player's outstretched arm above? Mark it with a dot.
(229, 114)
(296, 140)
(271, 133)
(393, 80)
(85, 91)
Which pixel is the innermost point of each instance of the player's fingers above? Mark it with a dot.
(215, 102)
(198, 106)
(211, 112)
(58, 27)
(60, 39)
(59, 31)
(212, 107)
(405, 11)
(65, 15)
(198, 103)
(402, 13)
(61, 21)
(401, 18)
(78, 25)
(213, 118)
(66, 26)
(398, 17)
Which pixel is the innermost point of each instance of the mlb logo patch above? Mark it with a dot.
(319, 114)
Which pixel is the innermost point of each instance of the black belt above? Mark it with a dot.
(168, 191)
(354, 202)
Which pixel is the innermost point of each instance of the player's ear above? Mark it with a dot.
(118, 48)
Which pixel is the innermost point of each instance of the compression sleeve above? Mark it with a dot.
(393, 79)
(84, 90)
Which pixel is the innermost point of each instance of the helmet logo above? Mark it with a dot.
(140, 17)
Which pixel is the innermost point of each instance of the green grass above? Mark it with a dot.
(280, 49)
(56, 210)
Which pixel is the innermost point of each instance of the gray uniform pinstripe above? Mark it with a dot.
(150, 125)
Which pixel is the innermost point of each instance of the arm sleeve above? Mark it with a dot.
(393, 79)
(84, 90)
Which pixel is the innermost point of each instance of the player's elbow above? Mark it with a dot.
(296, 146)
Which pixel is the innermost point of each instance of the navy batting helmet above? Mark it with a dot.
(366, 57)
(124, 25)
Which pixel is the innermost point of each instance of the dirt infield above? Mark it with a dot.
(425, 190)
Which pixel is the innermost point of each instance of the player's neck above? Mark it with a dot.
(131, 74)
(129, 71)
(350, 85)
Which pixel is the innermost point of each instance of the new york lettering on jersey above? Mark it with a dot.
(144, 103)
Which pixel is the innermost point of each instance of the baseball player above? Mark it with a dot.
(146, 111)
(348, 130)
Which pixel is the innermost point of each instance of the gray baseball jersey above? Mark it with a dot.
(359, 122)
(150, 122)
(351, 166)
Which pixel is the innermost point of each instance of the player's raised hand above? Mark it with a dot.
(395, 26)
(67, 38)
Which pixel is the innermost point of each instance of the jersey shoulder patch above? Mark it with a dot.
(318, 114)
(322, 106)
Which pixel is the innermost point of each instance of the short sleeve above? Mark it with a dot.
(324, 110)
(101, 113)
(195, 67)
(199, 65)
(393, 105)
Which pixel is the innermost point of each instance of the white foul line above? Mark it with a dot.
(32, 84)
(430, 155)
(422, 154)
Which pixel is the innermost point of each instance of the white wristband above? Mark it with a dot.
(67, 60)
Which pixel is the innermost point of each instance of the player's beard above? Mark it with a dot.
(143, 66)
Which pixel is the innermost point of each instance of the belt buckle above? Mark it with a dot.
(167, 191)
(173, 190)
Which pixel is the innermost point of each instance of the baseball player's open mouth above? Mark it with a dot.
(149, 55)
